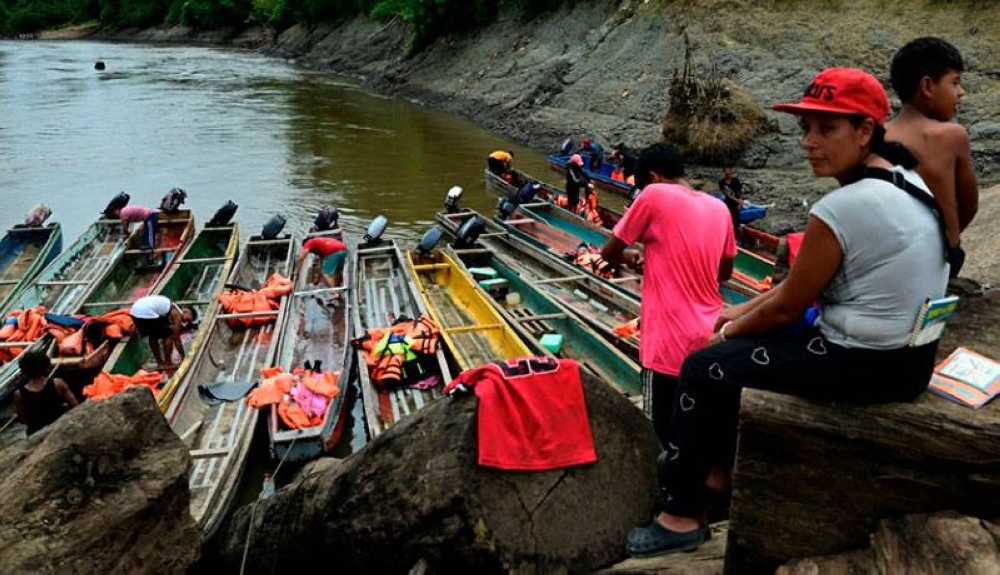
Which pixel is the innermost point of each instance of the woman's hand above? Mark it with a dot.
(729, 314)
(633, 259)
(716, 338)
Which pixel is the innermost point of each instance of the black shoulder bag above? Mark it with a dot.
(955, 256)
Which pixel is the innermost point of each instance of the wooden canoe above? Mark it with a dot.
(601, 305)
(601, 177)
(63, 284)
(749, 271)
(536, 314)
(548, 193)
(194, 280)
(472, 329)
(219, 435)
(559, 244)
(314, 332)
(385, 293)
(24, 252)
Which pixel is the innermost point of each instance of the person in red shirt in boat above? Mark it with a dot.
(331, 255)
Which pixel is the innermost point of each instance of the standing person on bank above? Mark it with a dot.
(41, 399)
(689, 249)
(575, 181)
(732, 190)
(161, 320)
(927, 76)
(862, 242)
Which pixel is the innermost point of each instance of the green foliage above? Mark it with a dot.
(426, 19)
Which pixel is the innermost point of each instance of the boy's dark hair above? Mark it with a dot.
(661, 158)
(34, 364)
(931, 57)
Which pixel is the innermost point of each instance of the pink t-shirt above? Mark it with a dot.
(134, 213)
(686, 235)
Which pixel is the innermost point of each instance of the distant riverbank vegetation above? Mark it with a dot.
(427, 19)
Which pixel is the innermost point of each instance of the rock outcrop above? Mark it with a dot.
(102, 490)
(416, 494)
(939, 543)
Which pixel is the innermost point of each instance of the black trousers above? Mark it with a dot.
(658, 397)
(804, 364)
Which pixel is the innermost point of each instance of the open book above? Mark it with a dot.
(931, 319)
(967, 377)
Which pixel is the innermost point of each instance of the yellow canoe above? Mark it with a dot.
(473, 330)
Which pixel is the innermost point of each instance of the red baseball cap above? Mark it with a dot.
(843, 91)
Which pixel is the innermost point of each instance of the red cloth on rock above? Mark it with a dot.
(532, 414)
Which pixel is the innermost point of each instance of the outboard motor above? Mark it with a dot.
(327, 219)
(469, 232)
(171, 202)
(273, 227)
(632, 195)
(375, 229)
(429, 241)
(99, 65)
(118, 202)
(506, 208)
(451, 200)
(567, 147)
(37, 216)
(223, 216)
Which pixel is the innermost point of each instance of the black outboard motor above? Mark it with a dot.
(37, 216)
(273, 227)
(451, 200)
(327, 219)
(99, 65)
(223, 216)
(429, 241)
(118, 202)
(375, 229)
(171, 202)
(567, 147)
(506, 207)
(469, 232)
(632, 195)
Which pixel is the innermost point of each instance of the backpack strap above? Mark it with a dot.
(897, 179)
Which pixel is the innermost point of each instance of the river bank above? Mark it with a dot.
(604, 70)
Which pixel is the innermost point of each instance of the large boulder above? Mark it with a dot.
(102, 490)
(416, 495)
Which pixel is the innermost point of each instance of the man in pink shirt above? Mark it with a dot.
(140, 214)
(689, 248)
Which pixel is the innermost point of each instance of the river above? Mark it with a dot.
(225, 124)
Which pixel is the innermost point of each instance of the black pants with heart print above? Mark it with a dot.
(804, 364)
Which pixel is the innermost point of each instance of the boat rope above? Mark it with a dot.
(253, 510)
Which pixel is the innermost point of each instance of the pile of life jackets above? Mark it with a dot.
(110, 384)
(267, 298)
(586, 208)
(589, 258)
(115, 325)
(403, 355)
(22, 325)
(31, 324)
(303, 396)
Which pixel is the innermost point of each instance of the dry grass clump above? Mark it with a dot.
(710, 120)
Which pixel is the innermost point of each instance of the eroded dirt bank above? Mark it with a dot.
(603, 69)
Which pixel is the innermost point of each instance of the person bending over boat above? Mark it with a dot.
(136, 213)
(499, 162)
(330, 257)
(862, 242)
(684, 264)
(41, 399)
(161, 320)
(593, 152)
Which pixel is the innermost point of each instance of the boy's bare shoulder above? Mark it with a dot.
(949, 132)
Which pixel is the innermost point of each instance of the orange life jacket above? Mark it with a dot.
(106, 384)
